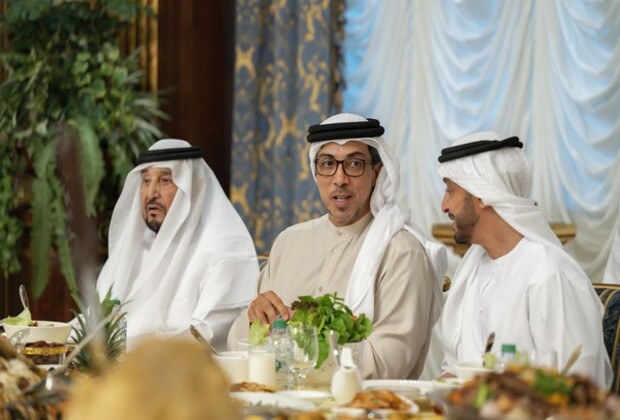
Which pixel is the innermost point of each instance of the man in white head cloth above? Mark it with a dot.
(179, 254)
(365, 249)
(516, 280)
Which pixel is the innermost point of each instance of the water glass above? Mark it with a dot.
(262, 364)
(305, 350)
(541, 358)
(235, 365)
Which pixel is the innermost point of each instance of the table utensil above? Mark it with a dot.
(571, 359)
(23, 296)
(196, 334)
(18, 338)
(489, 343)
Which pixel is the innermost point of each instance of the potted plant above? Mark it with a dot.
(65, 76)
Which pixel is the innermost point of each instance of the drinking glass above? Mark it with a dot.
(543, 359)
(262, 364)
(305, 350)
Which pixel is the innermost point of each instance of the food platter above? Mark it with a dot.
(382, 403)
(314, 396)
(274, 400)
(407, 386)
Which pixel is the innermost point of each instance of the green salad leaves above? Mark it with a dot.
(24, 319)
(329, 312)
(259, 332)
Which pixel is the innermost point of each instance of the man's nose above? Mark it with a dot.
(340, 177)
(153, 191)
(444, 204)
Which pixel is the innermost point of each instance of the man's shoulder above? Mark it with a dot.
(405, 240)
(303, 228)
(541, 262)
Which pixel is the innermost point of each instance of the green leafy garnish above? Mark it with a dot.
(22, 320)
(329, 312)
(489, 360)
(484, 392)
(258, 332)
(548, 383)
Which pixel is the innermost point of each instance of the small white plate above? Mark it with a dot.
(276, 400)
(395, 384)
(307, 394)
(383, 413)
(447, 383)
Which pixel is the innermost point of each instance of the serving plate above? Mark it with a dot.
(275, 400)
(380, 413)
(315, 396)
(408, 386)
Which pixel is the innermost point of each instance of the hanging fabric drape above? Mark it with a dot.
(546, 71)
(286, 79)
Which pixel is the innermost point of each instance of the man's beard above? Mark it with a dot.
(154, 225)
(465, 222)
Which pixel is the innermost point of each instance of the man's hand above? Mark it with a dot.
(266, 307)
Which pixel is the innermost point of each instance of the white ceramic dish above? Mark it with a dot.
(421, 387)
(235, 364)
(399, 384)
(447, 383)
(48, 331)
(276, 400)
(468, 370)
(243, 344)
(382, 413)
(315, 396)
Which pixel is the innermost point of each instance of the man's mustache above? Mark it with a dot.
(341, 191)
(153, 202)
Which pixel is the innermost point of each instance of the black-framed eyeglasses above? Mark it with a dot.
(328, 166)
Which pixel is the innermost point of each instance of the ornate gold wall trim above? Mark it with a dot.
(144, 31)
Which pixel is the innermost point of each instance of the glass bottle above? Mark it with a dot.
(282, 344)
(508, 354)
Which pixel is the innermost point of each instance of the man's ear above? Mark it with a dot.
(377, 169)
(480, 204)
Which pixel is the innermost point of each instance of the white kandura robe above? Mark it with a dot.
(200, 268)
(316, 257)
(534, 297)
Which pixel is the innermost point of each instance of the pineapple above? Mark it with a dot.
(105, 345)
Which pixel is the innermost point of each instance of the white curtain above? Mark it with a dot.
(548, 71)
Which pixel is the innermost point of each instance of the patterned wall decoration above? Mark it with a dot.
(286, 78)
(143, 33)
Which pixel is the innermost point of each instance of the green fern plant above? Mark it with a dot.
(65, 73)
(94, 356)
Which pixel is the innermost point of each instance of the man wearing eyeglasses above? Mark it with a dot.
(364, 248)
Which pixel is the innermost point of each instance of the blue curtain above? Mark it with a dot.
(286, 78)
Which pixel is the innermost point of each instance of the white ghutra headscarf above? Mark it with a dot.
(196, 270)
(501, 179)
(389, 218)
